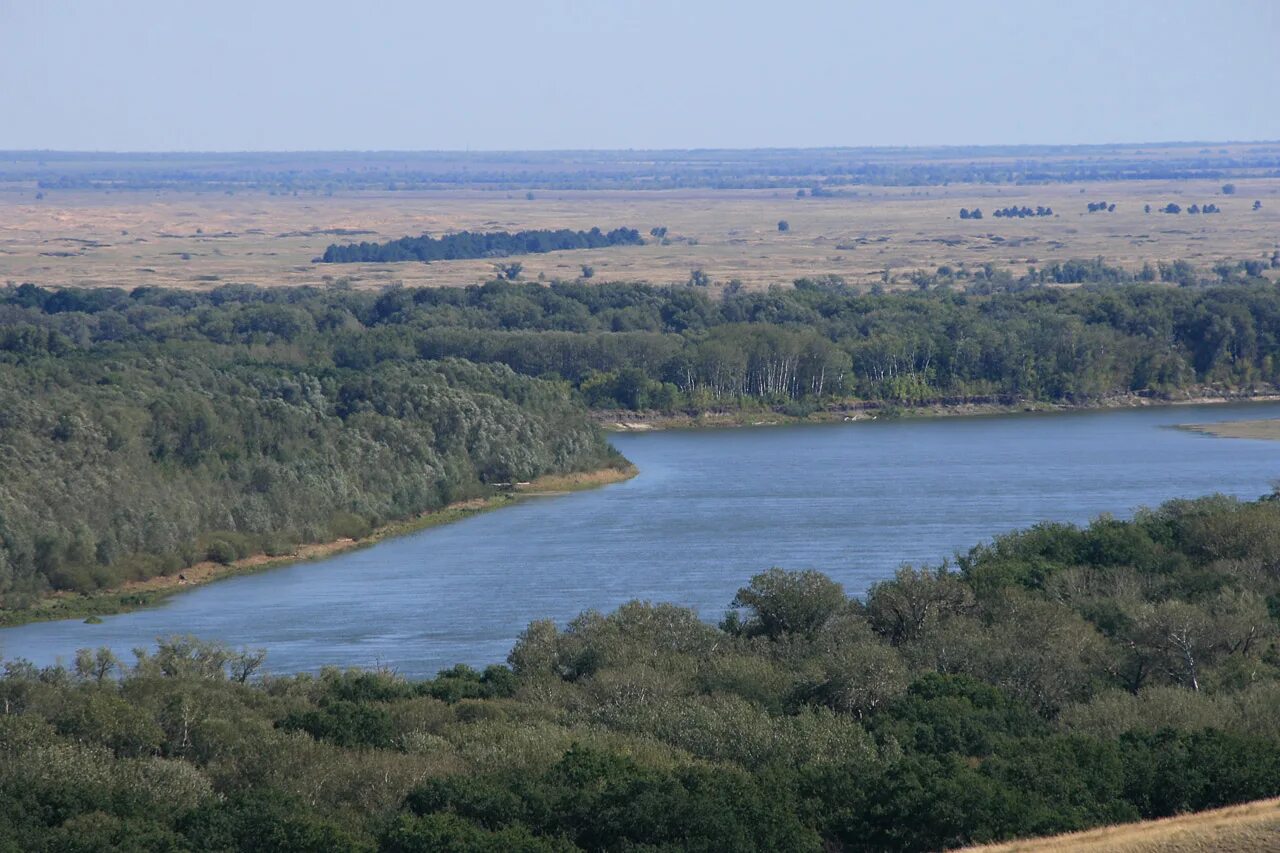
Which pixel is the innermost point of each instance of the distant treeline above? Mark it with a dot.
(1058, 678)
(467, 244)
(783, 169)
(1022, 212)
(960, 334)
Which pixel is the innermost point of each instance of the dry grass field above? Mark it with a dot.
(193, 239)
(1249, 828)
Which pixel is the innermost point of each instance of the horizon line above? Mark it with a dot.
(696, 149)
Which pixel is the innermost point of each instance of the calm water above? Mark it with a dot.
(708, 510)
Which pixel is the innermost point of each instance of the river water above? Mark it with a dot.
(709, 509)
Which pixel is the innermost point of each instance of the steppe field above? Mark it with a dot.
(1248, 828)
(199, 232)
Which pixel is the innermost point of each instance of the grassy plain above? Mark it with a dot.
(1248, 828)
(181, 238)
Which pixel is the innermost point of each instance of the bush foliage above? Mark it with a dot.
(1057, 678)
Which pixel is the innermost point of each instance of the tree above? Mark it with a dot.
(509, 272)
(588, 271)
(96, 666)
(779, 602)
(1172, 208)
(783, 225)
(699, 278)
(901, 608)
(1257, 205)
(1228, 189)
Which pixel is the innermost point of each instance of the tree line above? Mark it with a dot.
(1054, 679)
(468, 244)
(961, 334)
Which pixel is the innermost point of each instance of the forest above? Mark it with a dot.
(147, 430)
(135, 450)
(1056, 678)
(465, 244)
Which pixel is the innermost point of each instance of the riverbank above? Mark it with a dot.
(133, 595)
(1267, 429)
(867, 410)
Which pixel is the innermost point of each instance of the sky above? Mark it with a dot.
(219, 75)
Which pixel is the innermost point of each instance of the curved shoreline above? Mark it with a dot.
(135, 595)
(866, 410)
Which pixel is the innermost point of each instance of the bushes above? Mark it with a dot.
(348, 525)
(343, 723)
(949, 708)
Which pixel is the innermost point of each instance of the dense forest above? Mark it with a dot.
(129, 448)
(145, 430)
(492, 244)
(1054, 679)
(961, 334)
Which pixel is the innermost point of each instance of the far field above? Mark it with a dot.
(203, 238)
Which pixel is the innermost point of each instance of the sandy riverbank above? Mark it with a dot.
(616, 421)
(1265, 429)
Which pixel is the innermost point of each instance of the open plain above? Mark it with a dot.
(198, 233)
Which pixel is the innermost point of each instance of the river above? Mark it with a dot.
(708, 509)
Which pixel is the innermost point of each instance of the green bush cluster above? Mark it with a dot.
(1058, 678)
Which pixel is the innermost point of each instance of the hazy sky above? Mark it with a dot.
(520, 74)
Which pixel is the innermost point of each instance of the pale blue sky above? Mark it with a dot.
(536, 74)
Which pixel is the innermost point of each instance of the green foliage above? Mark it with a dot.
(343, 723)
(625, 346)
(183, 429)
(1062, 677)
(466, 244)
(780, 603)
(1065, 677)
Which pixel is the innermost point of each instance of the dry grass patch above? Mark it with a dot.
(203, 240)
(1244, 828)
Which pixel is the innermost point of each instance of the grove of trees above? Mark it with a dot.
(467, 244)
(133, 446)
